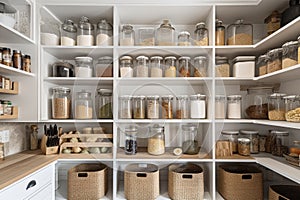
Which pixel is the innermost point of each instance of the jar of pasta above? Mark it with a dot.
(200, 66)
(166, 107)
(261, 64)
(182, 107)
(274, 60)
(289, 54)
(222, 67)
(276, 110)
(292, 108)
(184, 66)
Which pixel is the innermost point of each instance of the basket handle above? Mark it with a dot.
(246, 176)
(82, 175)
(141, 175)
(187, 176)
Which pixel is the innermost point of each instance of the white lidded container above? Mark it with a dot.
(234, 107)
(198, 106)
(244, 66)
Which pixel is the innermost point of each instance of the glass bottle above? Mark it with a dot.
(184, 66)
(276, 109)
(182, 107)
(104, 33)
(170, 66)
(220, 108)
(142, 66)
(261, 64)
(126, 66)
(34, 137)
(68, 33)
(167, 107)
(190, 144)
(104, 104)
(184, 39)
(274, 60)
(153, 107)
(201, 35)
(83, 105)
(292, 102)
(254, 139)
(127, 35)
(200, 66)
(222, 67)
(139, 110)
(156, 140)
(198, 106)
(220, 33)
(104, 67)
(231, 136)
(61, 103)
(130, 140)
(289, 54)
(126, 107)
(84, 67)
(165, 34)
(234, 107)
(85, 32)
(240, 33)
(156, 66)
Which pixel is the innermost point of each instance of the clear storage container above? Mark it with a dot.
(104, 33)
(261, 64)
(104, 67)
(184, 66)
(289, 54)
(276, 108)
(84, 67)
(295, 148)
(146, 36)
(126, 66)
(68, 33)
(273, 22)
(127, 36)
(220, 107)
(156, 66)
(85, 32)
(63, 69)
(240, 33)
(104, 104)
(153, 107)
(231, 136)
(139, 110)
(200, 66)
(292, 108)
(274, 60)
(244, 146)
(130, 140)
(190, 144)
(222, 67)
(83, 105)
(254, 139)
(244, 66)
(165, 34)
(167, 107)
(142, 66)
(281, 144)
(61, 103)
(182, 111)
(220, 33)
(184, 39)
(156, 140)
(198, 106)
(234, 107)
(170, 66)
(201, 35)
(126, 107)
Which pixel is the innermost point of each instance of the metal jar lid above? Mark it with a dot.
(153, 97)
(278, 50)
(126, 58)
(69, 26)
(61, 89)
(200, 58)
(127, 27)
(185, 97)
(220, 97)
(167, 97)
(244, 140)
(277, 96)
(198, 97)
(139, 97)
(83, 94)
(83, 59)
(170, 57)
(280, 133)
(249, 132)
(184, 33)
(200, 25)
(105, 92)
(290, 43)
(142, 57)
(230, 132)
(156, 58)
(184, 58)
(234, 97)
(189, 127)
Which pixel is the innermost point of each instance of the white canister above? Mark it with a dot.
(84, 67)
(234, 105)
(244, 66)
(198, 106)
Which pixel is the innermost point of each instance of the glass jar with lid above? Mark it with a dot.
(85, 32)
(220, 108)
(142, 66)
(130, 140)
(84, 67)
(167, 107)
(231, 136)
(198, 106)
(274, 60)
(240, 33)
(165, 34)
(254, 139)
(222, 67)
(83, 105)
(184, 38)
(234, 107)
(156, 140)
(201, 35)
(281, 144)
(104, 104)
(190, 144)
(289, 54)
(153, 107)
(63, 69)
(261, 64)
(127, 36)
(200, 66)
(126, 66)
(146, 36)
(170, 66)
(104, 33)
(156, 66)
(126, 107)
(182, 111)
(295, 148)
(220, 33)
(68, 33)
(6, 56)
(244, 146)
(292, 105)
(273, 22)
(184, 66)
(276, 108)
(139, 110)
(61, 103)
(104, 67)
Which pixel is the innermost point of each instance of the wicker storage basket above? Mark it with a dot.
(185, 182)
(87, 181)
(240, 182)
(284, 192)
(141, 182)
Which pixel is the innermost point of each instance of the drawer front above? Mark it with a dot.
(45, 193)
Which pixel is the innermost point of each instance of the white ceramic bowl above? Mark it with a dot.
(7, 20)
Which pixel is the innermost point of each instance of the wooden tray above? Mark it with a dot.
(15, 114)
(15, 89)
(292, 160)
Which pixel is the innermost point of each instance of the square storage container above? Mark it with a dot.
(244, 66)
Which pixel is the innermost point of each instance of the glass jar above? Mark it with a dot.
(165, 34)
(262, 143)
(156, 141)
(130, 140)
(153, 107)
(126, 107)
(274, 60)
(34, 137)
(281, 142)
(220, 109)
(6, 57)
(182, 111)
(220, 33)
(190, 144)
(85, 32)
(146, 36)
(26, 66)
(139, 107)
(261, 64)
(292, 105)
(184, 66)
(184, 39)
(84, 67)
(156, 66)
(244, 146)
(126, 66)
(234, 107)
(201, 35)
(104, 33)
(83, 105)
(68, 33)
(254, 139)
(200, 66)
(61, 103)
(170, 66)
(256, 102)
(273, 22)
(198, 106)
(166, 107)
(104, 104)
(295, 148)
(222, 67)
(63, 69)
(289, 54)
(127, 35)
(17, 59)
(240, 33)
(276, 109)
(104, 67)
(231, 136)
(49, 33)
(142, 66)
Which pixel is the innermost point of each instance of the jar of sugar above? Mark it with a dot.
(68, 33)
(84, 67)
(85, 33)
(198, 106)
(104, 33)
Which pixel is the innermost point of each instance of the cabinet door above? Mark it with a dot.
(45, 193)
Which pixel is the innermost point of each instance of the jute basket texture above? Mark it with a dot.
(284, 192)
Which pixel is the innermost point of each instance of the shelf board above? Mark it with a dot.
(73, 157)
(234, 121)
(80, 81)
(10, 35)
(236, 158)
(234, 81)
(77, 121)
(163, 121)
(283, 124)
(232, 50)
(7, 70)
(15, 89)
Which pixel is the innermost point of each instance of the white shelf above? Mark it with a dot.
(80, 81)
(235, 121)
(78, 121)
(232, 50)
(9, 70)
(10, 35)
(163, 121)
(234, 81)
(283, 124)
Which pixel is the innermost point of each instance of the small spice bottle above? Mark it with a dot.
(139, 107)
(198, 106)
(6, 57)
(153, 107)
(184, 66)
(289, 54)
(142, 66)
(170, 66)
(182, 107)
(156, 141)
(254, 139)
(126, 66)
(26, 66)
(220, 109)
(130, 140)
(200, 66)
(17, 59)
(167, 104)
(201, 35)
(126, 107)
(244, 146)
(184, 39)
(276, 110)
(234, 105)
(220, 33)
(156, 66)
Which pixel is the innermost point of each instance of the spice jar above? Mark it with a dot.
(156, 141)
(289, 54)
(104, 104)
(200, 66)
(292, 105)
(165, 34)
(6, 57)
(274, 60)
(281, 142)
(234, 107)
(68, 33)
(170, 66)
(17, 59)
(220, 33)
(166, 107)
(26, 66)
(243, 66)
(244, 146)
(146, 36)
(295, 148)
(126, 107)
(83, 105)
(139, 107)
(273, 22)
(85, 35)
(127, 35)
(184, 66)
(184, 39)
(61, 103)
(130, 140)
(153, 107)
(156, 66)
(198, 106)
(240, 33)
(256, 102)
(254, 139)
(7, 107)
(190, 144)
(63, 69)
(104, 33)
(261, 64)
(220, 109)
(222, 67)
(276, 109)
(182, 107)
(231, 136)
(142, 66)
(201, 35)
(84, 67)
(126, 66)
(104, 67)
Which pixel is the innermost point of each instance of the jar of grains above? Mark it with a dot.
(126, 66)
(166, 107)
(201, 35)
(61, 103)
(254, 139)
(156, 66)
(220, 109)
(274, 60)
(139, 107)
(222, 67)
(142, 66)
(127, 35)
(126, 107)
(85, 32)
(104, 67)
(292, 108)
(198, 106)
(276, 110)
(104, 104)
(231, 136)
(190, 144)
(244, 146)
(184, 39)
(130, 140)
(234, 107)
(83, 105)
(281, 142)
(182, 107)
(146, 36)
(153, 107)
(220, 33)
(165, 34)
(184, 66)
(240, 33)
(170, 66)
(68, 33)
(104, 33)
(261, 64)
(289, 54)
(156, 141)
(84, 67)
(200, 66)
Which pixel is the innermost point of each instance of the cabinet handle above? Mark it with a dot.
(31, 184)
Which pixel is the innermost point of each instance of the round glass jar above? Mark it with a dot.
(130, 140)
(295, 148)
(289, 54)
(244, 146)
(184, 66)
(231, 136)
(200, 66)
(281, 142)
(254, 139)
(153, 107)
(156, 66)
(170, 66)
(63, 69)
(126, 66)
(156, 140)
(182, 111)
(274, 60)
(6, 57)
(220, 107)
(222, 67)
(68, 33)
(61, 103)
(184, 39)
(83, 105)
(276, 108)
(220, 33)
(104, 67)
(292, 105)
(17, 59)
(201, 35)
(190, 144)
(104, 33)
(240, 33)
(85, 32)
(165, 34)
(84, 67)
(127, 36)
(126, 107)
(104, 104)
(166, 107)
(261, 64)
(139, 110)
(198, 106)
(142, 66)
(234, 107)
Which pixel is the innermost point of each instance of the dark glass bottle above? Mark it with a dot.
(291, 13)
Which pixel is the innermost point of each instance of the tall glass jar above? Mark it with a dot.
(68, 33)
(234, 107)
(104, 104)
(289, 54)
(84, 67)
(220, 109)
(130, 140)
(182, 111)
(292, 105)
(156, 141)
(198, 106)
(104, 33)
(261, 64)
(139, 110)
(166, 107)
(61, 103)
(83, 105)
(254, 139)
(232, 136)
(190, 144)
(184, 39)
(126, 107)
(184, 66)
(165, 34)
(256, 102)
(276, 109)
(281, 144)
(240, 33)
(126, 66)
(153, 107)
(222, 67)
(201, 35)
(220, 33)
(156, 66)
(170, 66)
(274, 60)
(142, 66)
(85, 32)
(200, 66)
(104, 67)
(127, 35)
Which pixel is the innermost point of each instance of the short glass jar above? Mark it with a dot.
(127, 36)
(201, 35)
(61, 103)
(240, 33)
(130, 140)
(68, 33)
(156, 66)
(104, 33)
(156, 140)
(222, 67)
(126, 66)
(182, 111)
(153, 107)
(276, 108)
(254, 139)
(167, 107)
(6, 57)
(292, 105)
(231, 136)
(261, 64)
(234, 107)
(104, 67)
(83, 105)
(85, 32)
(126, 107)
(84, 67)
(170, 66)
(184, 39)
(190, 145)
(274, 60)
(198, 106)
(146, 36)
(220, 107)
(184, 66)
(139, 110)
(244, 146)
(200, 66)
(142, 66)
(165, 34)
(104, 104)
(295, 148)
(220, 33)
(289, 54)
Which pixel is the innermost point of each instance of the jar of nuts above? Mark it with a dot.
(276, 110)
(254, 139)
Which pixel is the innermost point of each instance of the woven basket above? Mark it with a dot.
(240, 182)
(141, 182)
(185, 182)
(284, 192)
(87, 181)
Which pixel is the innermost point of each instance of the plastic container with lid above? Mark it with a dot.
(153, 107)
(156, 66)
(289, 54)
(104, 67)
(85, 32)
(127, 36)
(184, 67)
(139, 109)
(104, 104)
(165, 34)
(274, 60)
(63, 69)
(292, 108)
(240, 33)
(83, 105)
(68, 33)
(276, 108)
(167, 107)
(244, 146)
(146, 36)
(184, 39)
(198, 106)
(200, 66)
(156, 140)
(104, 33)
(234, 107)
(182, 111)
(254, 139)
(222, 67)
(142, 66)
(125, 107)
(281, 144)
(261, 65)
(84, 67)
(220, 33)
(170, 66)
(201, 35)
(190, 144)
(126, 66)
(130, 140)
(220, 107)
(295, 148)
(244, 66)
(232, 136)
